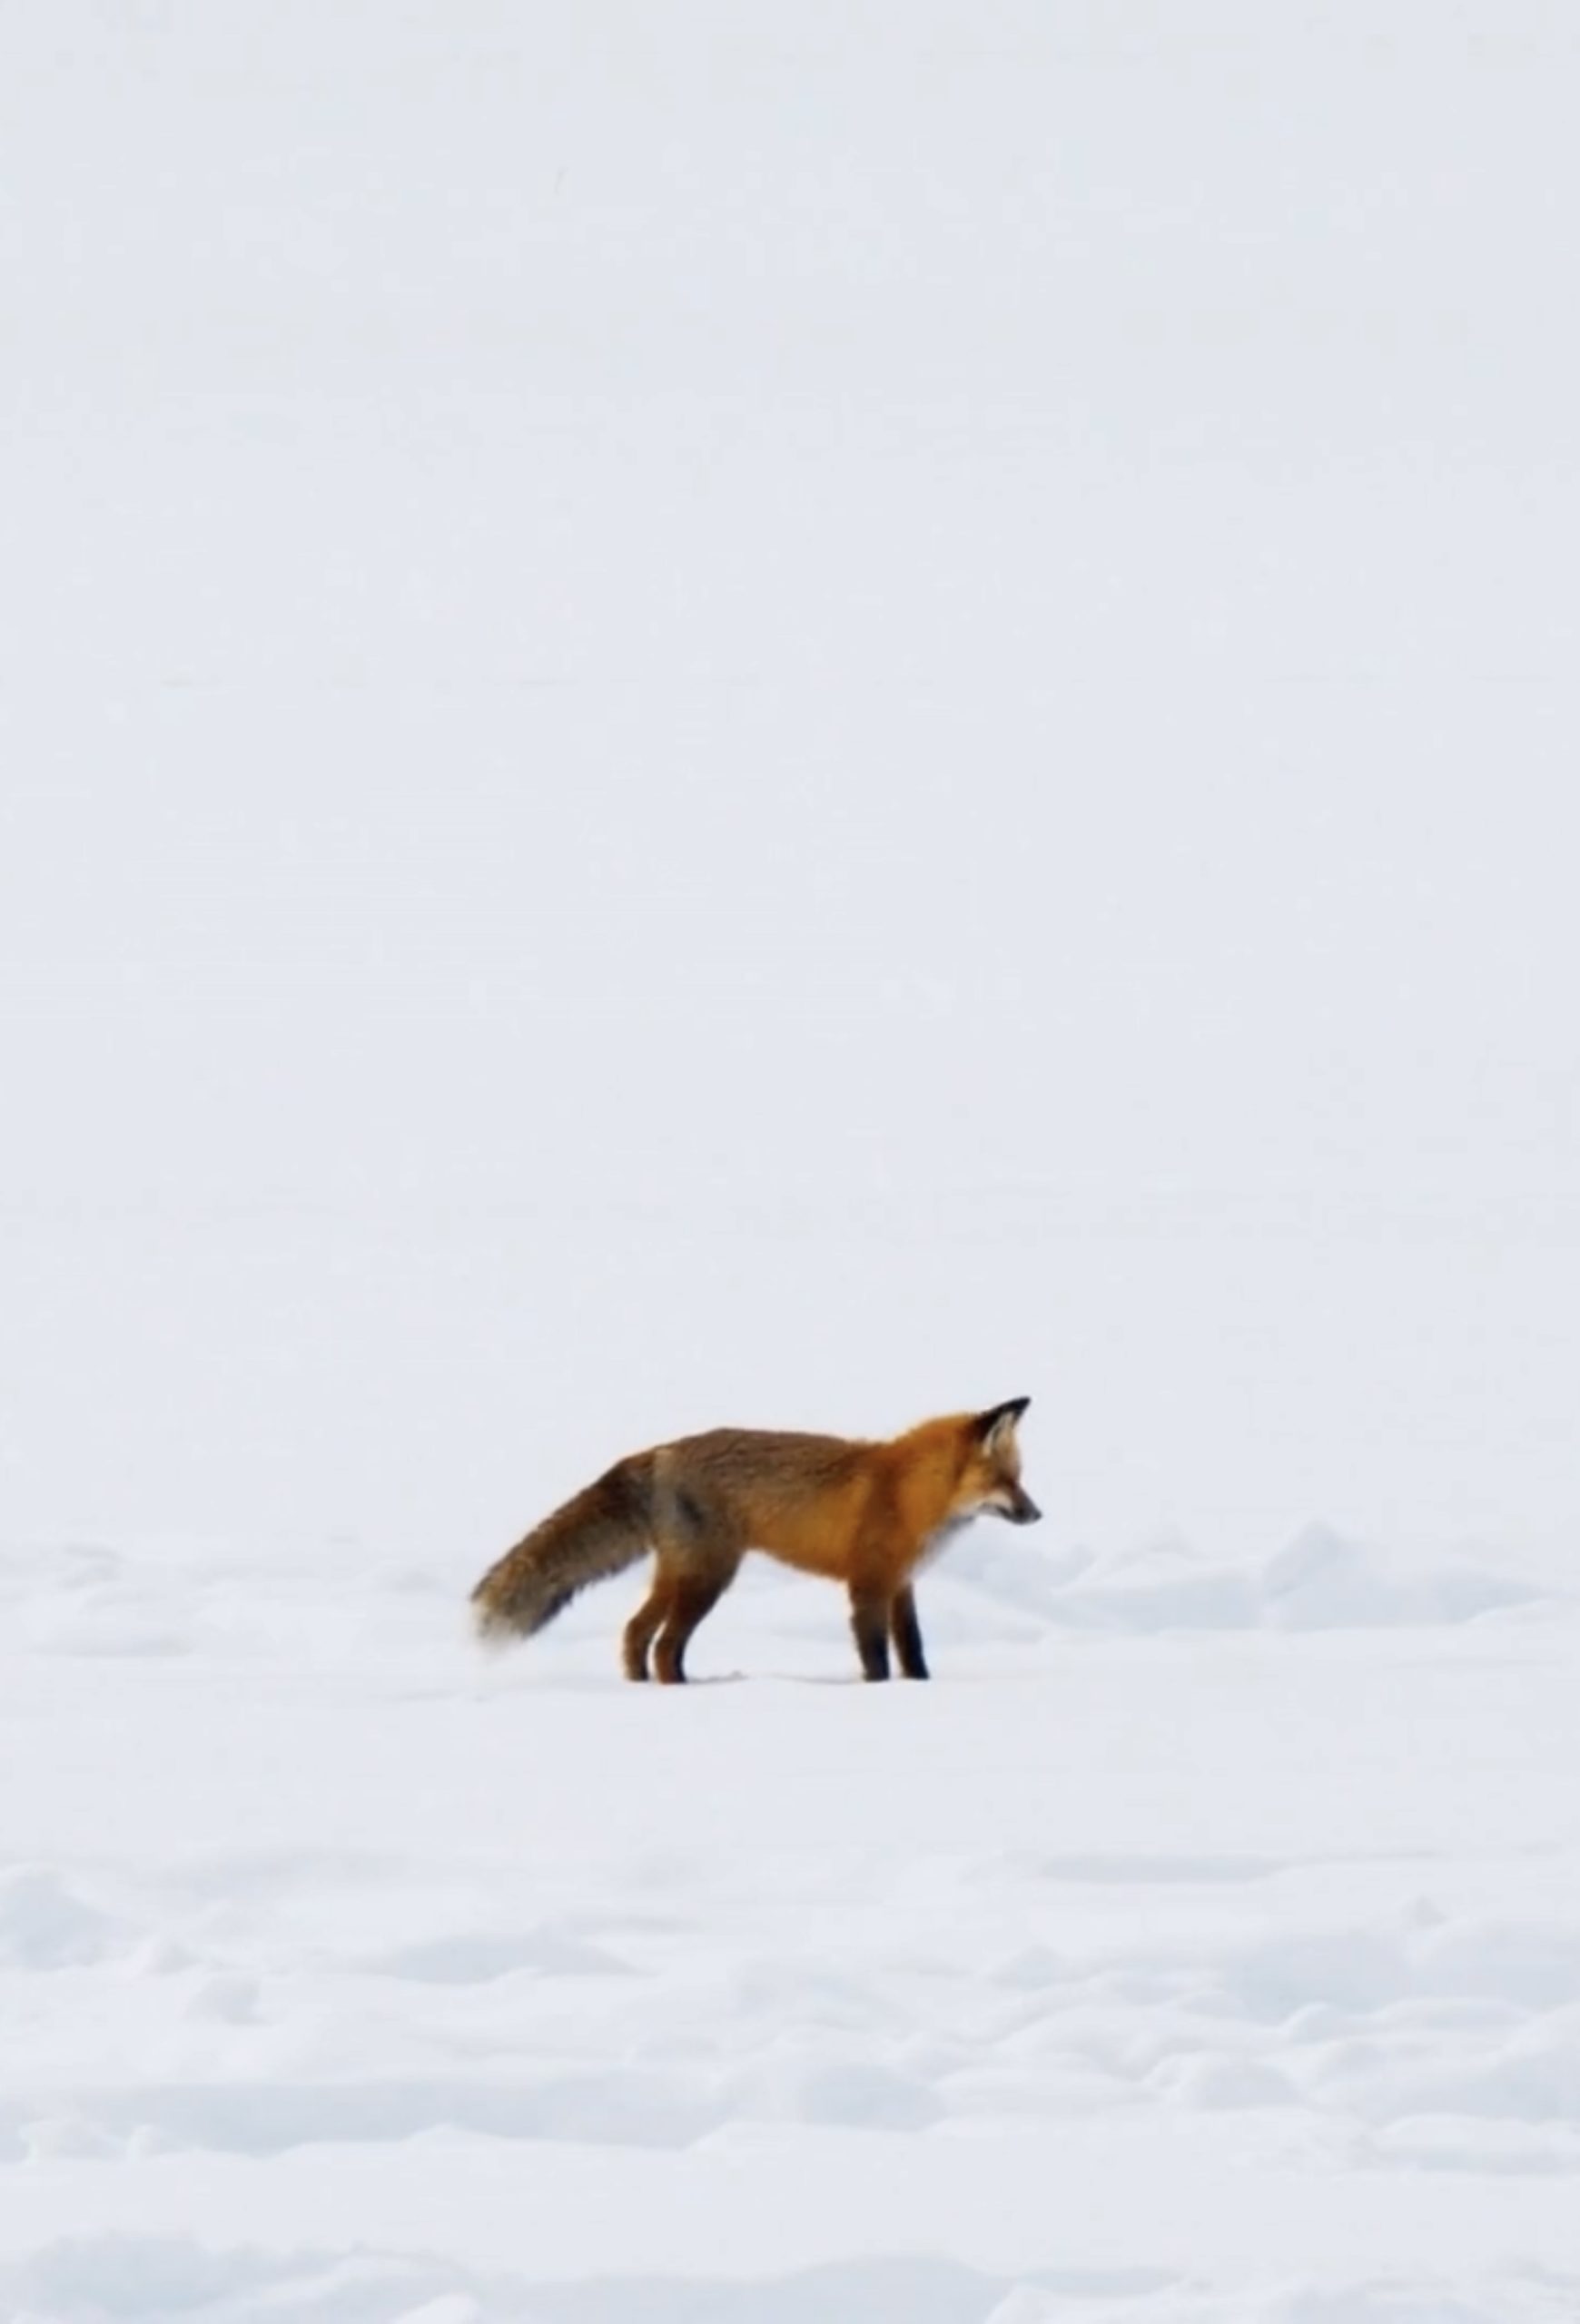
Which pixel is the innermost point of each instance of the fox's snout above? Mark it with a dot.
(1022, 1509)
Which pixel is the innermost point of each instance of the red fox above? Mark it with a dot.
(866, 1514)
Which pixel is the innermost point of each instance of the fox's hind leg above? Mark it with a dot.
(695, 1592)
(644, 1624)
(906, 1632)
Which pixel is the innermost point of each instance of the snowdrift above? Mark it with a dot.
(1318, 1581)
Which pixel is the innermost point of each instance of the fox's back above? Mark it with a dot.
(758, 1453)
(799, 1495)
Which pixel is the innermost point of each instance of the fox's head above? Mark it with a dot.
(990, 1484)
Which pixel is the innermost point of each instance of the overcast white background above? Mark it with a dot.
(790, 716)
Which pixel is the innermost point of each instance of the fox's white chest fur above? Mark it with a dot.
(939, 1540)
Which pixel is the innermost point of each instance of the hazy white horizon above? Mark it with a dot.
(793, 719)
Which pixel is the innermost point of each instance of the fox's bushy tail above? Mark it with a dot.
(600, 1531)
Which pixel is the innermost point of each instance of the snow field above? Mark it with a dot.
(1205, 1942)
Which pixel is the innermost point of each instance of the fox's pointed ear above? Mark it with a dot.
(997, 1421)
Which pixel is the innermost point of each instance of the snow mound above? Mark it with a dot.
(1320, 1581)
(46, 1924)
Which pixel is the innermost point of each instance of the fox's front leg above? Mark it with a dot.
(906, 1632)
(869, 1618)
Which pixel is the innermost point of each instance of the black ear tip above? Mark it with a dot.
(997, 1414)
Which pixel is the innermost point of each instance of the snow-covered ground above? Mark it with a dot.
(1203, 1944)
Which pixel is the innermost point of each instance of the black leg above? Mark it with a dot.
(908, 1633)
(869, 1621)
